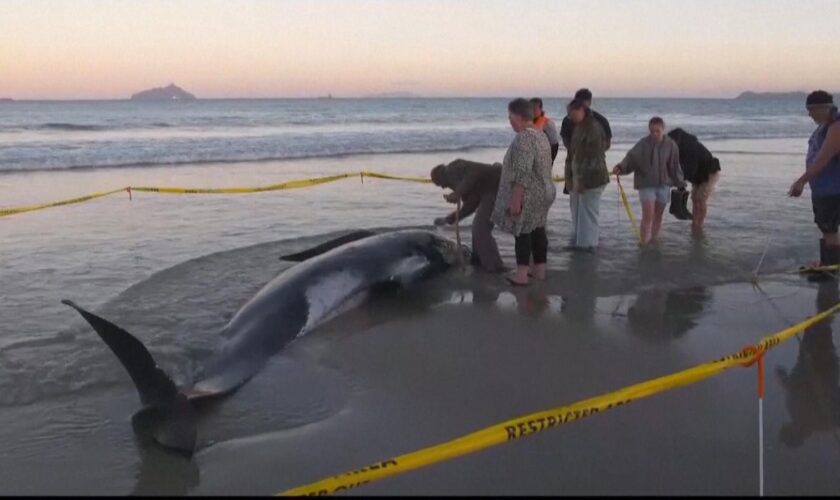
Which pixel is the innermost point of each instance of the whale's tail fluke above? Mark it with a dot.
(167, 415)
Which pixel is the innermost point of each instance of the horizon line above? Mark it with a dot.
(374, 97)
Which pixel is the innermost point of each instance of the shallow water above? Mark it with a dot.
(402, 373)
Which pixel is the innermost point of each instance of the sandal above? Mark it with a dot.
(514, 283)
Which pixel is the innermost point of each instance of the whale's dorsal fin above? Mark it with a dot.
(327, 246)
(167, 414)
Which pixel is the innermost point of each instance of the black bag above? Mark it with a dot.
(679, 204)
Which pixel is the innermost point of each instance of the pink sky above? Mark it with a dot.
(245, 48)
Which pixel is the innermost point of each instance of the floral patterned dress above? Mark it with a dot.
(527, 163)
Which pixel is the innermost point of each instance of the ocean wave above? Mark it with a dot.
(70, 127)
(171, 161)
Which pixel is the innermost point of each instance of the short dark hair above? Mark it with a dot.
(656, 120)
(438, 176)
(819, 97)
(521, 107)
(575, 104)
(583, 95)
(536, 101)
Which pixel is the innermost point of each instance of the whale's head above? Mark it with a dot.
(449, 251)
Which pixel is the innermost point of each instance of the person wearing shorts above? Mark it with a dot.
(701, 169)
(655, 164)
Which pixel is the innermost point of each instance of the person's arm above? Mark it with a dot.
(524, 154)
(566, 132)
(468, 207)
(607, 130)
(551, 131)
(674, 168)
(829, 149)
(627, 165)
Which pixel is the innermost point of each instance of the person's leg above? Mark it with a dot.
(700, 198)
(590, 210)
(539, 249)
(574, 203)
(827, 218)
(662, 197)
(523, 259)
(699, 211)
(484, 244)
(647, 197)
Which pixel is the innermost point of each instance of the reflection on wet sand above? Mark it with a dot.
(579, 303)
(811, 388)
(182, 473)
(667, 314)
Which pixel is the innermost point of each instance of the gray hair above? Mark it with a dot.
(521, 107)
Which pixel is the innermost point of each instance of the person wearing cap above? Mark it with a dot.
(822, 174)
(476, 184)
(567, 128)
(547, 125)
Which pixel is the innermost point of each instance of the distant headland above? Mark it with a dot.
(776, 96)
(6, 99)
(169, 93)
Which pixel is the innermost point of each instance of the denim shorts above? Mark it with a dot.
(661, 195)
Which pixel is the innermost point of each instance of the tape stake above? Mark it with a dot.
(129, 192)
(528, 425)
(761, 425)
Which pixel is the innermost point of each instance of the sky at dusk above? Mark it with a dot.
(104, 49)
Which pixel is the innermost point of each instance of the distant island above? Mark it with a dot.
(6, 99)
(755, 96)
(169, 93)
(393, 95)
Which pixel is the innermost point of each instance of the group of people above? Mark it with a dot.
(516, 195)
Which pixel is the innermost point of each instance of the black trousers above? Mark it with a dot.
(531, 244)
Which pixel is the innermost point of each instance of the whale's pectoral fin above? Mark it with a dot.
(327, 246)
(167, 415)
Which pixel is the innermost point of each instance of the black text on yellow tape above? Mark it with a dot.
(539, 422)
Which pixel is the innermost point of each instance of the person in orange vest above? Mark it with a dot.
(547, 125)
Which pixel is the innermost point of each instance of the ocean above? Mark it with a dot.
(84, 134)
(405, 372)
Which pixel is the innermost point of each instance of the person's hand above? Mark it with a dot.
(515, 210)
(797, 188)
(440, 221)
(616, 170)
(451, 197)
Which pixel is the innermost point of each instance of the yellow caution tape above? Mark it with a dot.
(296, 184)
(818, 269)
(11, 211)
(628, 209)
(377, 175)
(538, 422)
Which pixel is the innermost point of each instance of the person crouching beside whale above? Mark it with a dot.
(655, 163)
(476, 185)
(526, 192)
